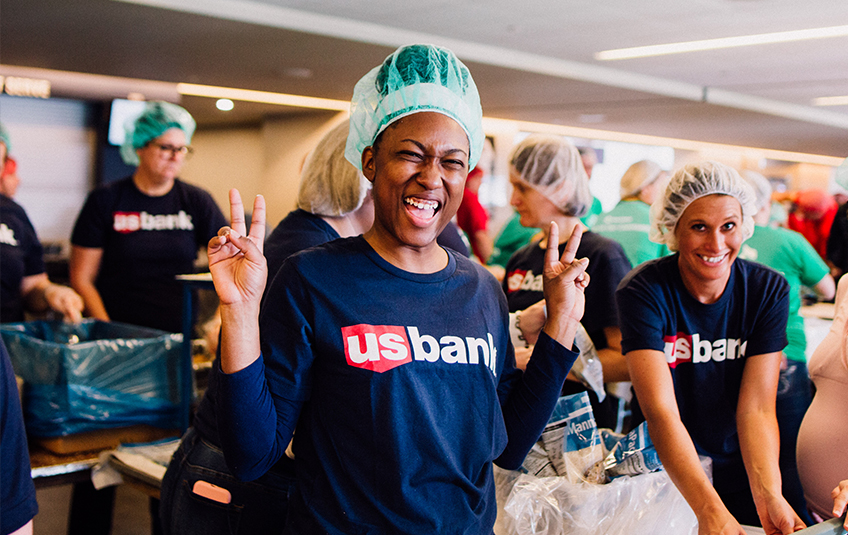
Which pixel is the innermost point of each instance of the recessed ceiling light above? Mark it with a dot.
(724, 42)
(224, 104)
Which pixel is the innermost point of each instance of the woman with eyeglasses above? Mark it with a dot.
(130, 240)
(134, 235)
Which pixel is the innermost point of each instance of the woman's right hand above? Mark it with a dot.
(840, 500)
(719, 523)
(238, 267)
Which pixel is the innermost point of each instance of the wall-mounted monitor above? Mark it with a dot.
(122, 112)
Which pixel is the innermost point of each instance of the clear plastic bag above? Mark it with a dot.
(95, 375)
(647, 504)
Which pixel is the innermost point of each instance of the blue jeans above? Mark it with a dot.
(794, 395)
(257, 507)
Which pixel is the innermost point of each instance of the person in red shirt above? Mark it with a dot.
(472, 217)
(813, 217)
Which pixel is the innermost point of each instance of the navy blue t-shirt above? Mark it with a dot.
(403, 388)
(17, 492)
(20, 256)
(146, 242)
(298, 231)
(607, 266)
(706, 345)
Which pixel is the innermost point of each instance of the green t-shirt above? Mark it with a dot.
(591, 216)
(789, 253)
(629, 224)
(512, 237)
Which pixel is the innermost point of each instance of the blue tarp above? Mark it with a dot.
(95, 375)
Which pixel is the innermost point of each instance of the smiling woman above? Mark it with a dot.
(703, 333)
(390, 354)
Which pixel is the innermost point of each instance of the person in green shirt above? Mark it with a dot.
(789, 253)
(629, 222)
(589, 158)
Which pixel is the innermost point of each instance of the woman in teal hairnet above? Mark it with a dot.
(390, 353)
(134, 235)
(129, 242)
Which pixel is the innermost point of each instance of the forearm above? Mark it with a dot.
(93, 302)
(760, 443)
(529, 405)
(614, 365)
(240, 345)
(680, 460)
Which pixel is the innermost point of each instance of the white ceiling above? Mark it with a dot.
(532, 60)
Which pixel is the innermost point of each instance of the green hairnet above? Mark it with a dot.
(156, 118)
(414, 79)
(5, 139)
(690, 184)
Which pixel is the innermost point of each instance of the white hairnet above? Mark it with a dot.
(761, 186)
(329, 184)
(552, 166)
(414, 78)
(638, 176)
(690, 184)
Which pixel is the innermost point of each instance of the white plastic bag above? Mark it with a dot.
(648, 504)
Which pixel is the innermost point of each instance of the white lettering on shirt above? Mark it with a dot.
(126, 222)
(382, 347)
(690, 348)
(7, 235)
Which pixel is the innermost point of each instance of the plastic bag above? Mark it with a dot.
(648, 504)
(95, 375)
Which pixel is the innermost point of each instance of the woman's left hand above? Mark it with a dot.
(840, 500)
(64, 301)
(779, 518)
(565, 280)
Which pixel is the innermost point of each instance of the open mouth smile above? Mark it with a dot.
(422, 210)
(713, 259)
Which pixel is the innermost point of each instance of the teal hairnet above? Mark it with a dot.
(156, 118)
(5, 139)
(415, 78)
(690, 184)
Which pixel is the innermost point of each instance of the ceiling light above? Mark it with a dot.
(264, 97)
(224, 104)
(831, 101)
(724, 42)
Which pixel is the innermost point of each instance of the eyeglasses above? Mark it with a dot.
(185, 150)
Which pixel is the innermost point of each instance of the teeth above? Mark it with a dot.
(713, 259)
(422, 205)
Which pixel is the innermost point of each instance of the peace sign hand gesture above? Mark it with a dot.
(564, 280)
(239, 271)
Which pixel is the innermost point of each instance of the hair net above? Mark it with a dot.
(414, 79)
(156, 118)
(329, 184)
(638, 176)
(761, 186)
(552, 166)
(5, 139)
(690, 184)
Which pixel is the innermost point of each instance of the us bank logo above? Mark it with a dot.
(380, 348)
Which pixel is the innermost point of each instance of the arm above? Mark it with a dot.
(759, 440)
(826, 288)
(41, 294)
(483, 245)
(613, 362)
(531, 400)
(84, 266)
(655, 390)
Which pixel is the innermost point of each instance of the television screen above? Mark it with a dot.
(123, 111)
